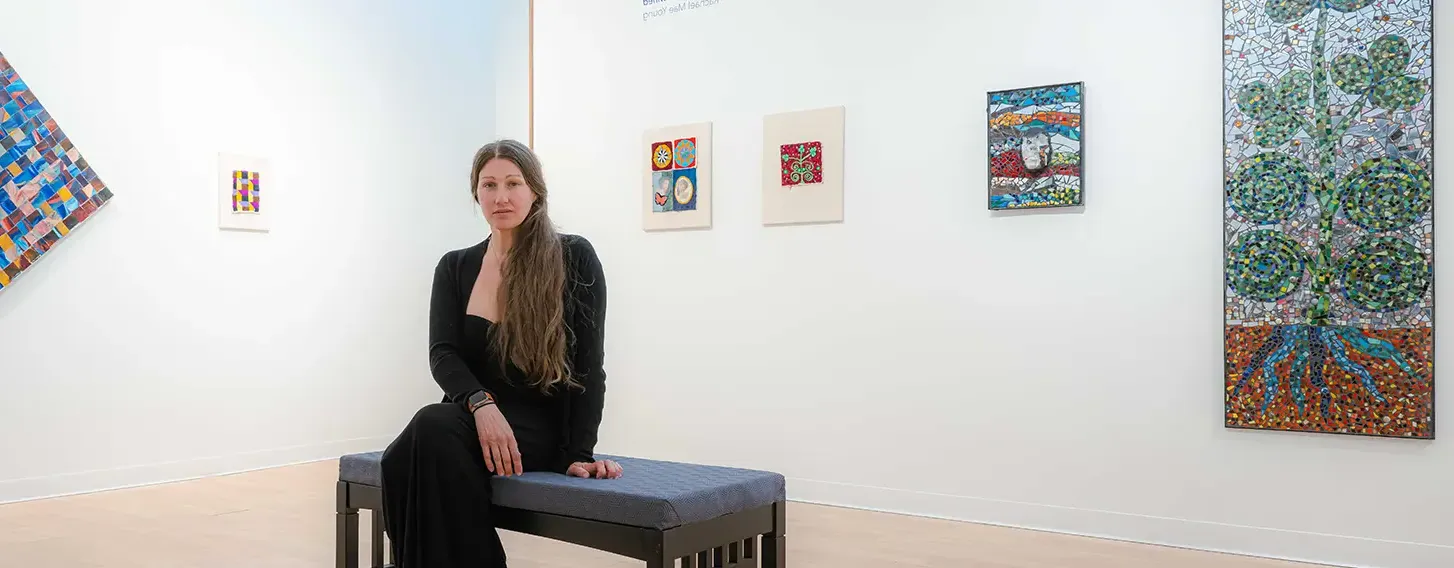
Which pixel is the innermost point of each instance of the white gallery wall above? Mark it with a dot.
(1057, 370)
(150, 346)
(510, 42)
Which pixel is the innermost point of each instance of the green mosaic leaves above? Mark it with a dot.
(1392, 89)
(1386, 194)
(1266, 265)
(1287, 11)
(1269, 187)
(1352, 73)
(1389, 55)
(1284, 11)
(1381, 76)
(1279, 111)
(1384, 273)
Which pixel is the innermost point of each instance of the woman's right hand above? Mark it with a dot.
(497, 440)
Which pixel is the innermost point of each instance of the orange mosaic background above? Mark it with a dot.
(1407, 412)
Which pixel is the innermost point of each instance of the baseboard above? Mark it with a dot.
(1314, 548)
(13, 490)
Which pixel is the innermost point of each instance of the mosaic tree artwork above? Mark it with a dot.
(1035, 147)
(1328, 225)
(46, 188)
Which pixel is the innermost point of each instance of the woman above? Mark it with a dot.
(516, 333)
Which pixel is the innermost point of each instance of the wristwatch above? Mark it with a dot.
(478, 400)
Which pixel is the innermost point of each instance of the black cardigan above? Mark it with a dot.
(585, 303)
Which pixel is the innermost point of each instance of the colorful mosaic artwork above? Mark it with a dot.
(1035, 147)
(1328, 224)
(46, 188)
(802, 163)
(246, 196)
(674, 175)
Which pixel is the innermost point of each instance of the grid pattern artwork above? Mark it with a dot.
(1035, 147)
(46, 188)
(674, 175)
(246, 196)
(240, 179)
(1328, 219)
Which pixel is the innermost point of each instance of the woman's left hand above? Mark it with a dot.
(604, 469)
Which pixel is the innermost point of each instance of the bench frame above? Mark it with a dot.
(729, 541)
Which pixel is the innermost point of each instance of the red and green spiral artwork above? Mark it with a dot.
(802, 163)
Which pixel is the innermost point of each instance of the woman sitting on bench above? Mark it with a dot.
(516, 333)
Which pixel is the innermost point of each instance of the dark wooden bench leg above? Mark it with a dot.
(346, 539)
(655, 546)
(775, 543)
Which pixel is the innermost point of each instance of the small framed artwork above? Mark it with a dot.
(677, 177)
(802, 167)
(245, 189)
(1035, 148)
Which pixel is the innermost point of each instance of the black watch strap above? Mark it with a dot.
(477, 400)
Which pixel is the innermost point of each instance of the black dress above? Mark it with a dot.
(435, 484)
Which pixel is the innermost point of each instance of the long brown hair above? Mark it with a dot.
(531, 333)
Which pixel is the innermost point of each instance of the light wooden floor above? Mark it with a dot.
(283, 518)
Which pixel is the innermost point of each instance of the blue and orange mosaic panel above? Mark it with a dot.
(46, 187)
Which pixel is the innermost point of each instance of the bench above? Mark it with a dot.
(657, 512)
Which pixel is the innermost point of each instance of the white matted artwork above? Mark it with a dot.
(245, 193)
(677, 179)
(802, 167)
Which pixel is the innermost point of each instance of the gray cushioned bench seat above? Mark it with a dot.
(651, 494)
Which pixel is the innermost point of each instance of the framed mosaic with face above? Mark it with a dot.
(1035, 147)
